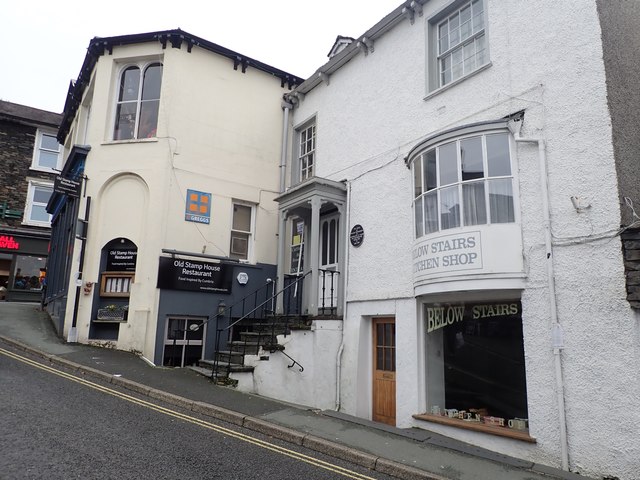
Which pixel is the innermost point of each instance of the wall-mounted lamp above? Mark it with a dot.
(221, 307)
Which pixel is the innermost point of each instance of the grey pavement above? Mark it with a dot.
(404, 453)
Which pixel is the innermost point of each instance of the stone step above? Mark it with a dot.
(248, 348)
(224, 368)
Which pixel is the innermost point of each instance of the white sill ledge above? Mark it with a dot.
(438, 91)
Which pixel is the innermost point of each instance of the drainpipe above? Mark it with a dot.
(557, 340)
(72, 337)
(344, 295)
(286, 106)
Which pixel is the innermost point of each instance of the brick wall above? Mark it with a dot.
(16, 154)
(631, 250)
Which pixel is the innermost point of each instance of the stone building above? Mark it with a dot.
(30, 157)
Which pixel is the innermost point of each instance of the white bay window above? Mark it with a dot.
(462, 182)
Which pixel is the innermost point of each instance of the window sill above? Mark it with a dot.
(37, 224)
(439, 90)
(522, 435)
(132, 140)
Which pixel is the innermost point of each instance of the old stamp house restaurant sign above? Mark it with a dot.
(194, 276)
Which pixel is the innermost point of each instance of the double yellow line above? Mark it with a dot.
(187, 418)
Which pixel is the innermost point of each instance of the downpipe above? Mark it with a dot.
(344, 297)
(557, 340)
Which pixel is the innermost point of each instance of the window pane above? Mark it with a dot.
(431, 212)
(49, 142)
(478, 16)
(443, 34)
(324, 239)
(242, 218)
(176, 329)
(419, 218)
(445, 66)
(456, 63)
(454, 30)
(469, 54)
(480, 51)
(449, 207)
(498, 155)
(465, 23)
(125, 121)
(475, 211)
(39, 213)
(448, 163)
(129, 84)
(471, 158)
(148, 119)
(42, 194)
(152, 82)
(333, 241)
(501, 200)
(239, 245)
(48, 159)
(417, 177)
(430, 178)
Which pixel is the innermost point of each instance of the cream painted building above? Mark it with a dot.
(479, 162)
(167, 213)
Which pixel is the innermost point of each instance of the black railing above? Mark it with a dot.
(264, 328)
(327, 304)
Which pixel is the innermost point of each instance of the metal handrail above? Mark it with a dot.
(246, 315)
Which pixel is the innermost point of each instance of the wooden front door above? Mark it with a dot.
(384, 370)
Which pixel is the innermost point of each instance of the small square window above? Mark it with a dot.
(47, 152)
(35, 212)
(241, 231)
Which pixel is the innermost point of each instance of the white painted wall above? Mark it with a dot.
(219, 131)
(316, 350)
(547, 60)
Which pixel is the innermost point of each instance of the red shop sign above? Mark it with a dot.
(8, 242)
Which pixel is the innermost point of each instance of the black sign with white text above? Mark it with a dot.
(67, 186)
(121, 259)
(194, 276)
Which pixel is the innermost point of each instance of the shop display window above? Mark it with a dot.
(29, 273)
(475, 364)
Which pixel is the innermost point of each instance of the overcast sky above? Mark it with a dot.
(43, 42)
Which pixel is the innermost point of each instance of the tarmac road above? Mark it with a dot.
(58, 425)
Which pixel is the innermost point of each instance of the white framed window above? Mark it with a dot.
(307, 152)
(463, 181)
(35, 212)
(458, 43)
(47, 152)
(242, 231)
(138, 102)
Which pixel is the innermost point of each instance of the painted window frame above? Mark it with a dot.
(240, 234)
(39, 149)
(423, 191)
(30, 203)
(120, 101)
(305, 151)
(477, 38)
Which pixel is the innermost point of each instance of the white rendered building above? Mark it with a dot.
(477, 160)
(167, 217)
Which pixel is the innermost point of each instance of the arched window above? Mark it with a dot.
(138, 102)
(463, 181)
